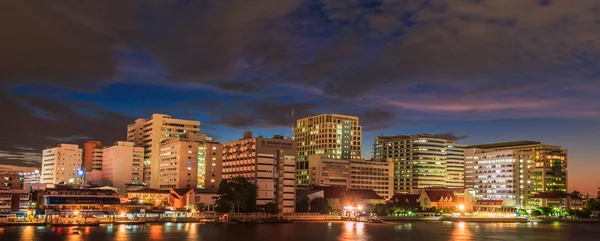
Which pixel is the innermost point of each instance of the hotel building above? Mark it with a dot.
(60, 164)
(499, 175)
(149, 133)
(122, 164)
(269, 163)
(331, 135)
(376, 174)
(549, 170)
(422, 161)
(11, 180)
(92, 156)
(191, 161)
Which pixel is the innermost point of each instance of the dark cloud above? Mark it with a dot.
(32, 124)
(451, 136)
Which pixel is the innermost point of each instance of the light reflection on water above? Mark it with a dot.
(328, 231)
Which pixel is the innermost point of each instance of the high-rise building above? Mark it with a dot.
(422, 161)
(92, 156)
(122, 164)
(549, 170)
(331, 135)
(149, 133)
(60, 164)
(375, 174)
(191, 161)
(499, 175)
(269, 163)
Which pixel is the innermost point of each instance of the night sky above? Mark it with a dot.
(477, 71)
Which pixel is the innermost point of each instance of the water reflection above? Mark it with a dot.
(192, 230)
(461, 232)
(354, 231)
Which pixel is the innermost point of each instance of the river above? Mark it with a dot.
(315, 231)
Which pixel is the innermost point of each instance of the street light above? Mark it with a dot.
(359, 208)
(76, 212)
(461, 207)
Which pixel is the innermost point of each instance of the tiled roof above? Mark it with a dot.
(347, 193)
(411, 200)
(150, 190)
(436, 195)
(181, 191)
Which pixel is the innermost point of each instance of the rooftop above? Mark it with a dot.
(348, 193)
(150, 190)
(505, 144)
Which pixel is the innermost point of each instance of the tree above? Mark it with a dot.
(536, 213)
(237, 194)
(320, 205)
(522, 212)
(302, 205)
(576, 193)
(271, 208)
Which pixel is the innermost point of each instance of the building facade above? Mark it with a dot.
(60, 164)
(122, 164)
(11, 180)
(191, 161)
(549, 170)
(92, 156)
(331, 135)
(12, 200)
(269, 163)
(422, 161)
(375, 174)
(149, 133)
(499, 175)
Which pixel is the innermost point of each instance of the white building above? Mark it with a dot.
(60, 164)
(375, 174)
(122, 164)
(149, 133)
(499, 175)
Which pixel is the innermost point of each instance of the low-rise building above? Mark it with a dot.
(193, 198)
(560, 200)
(375, 174)
(86, 201)
(149, 195)
(340, 197)
(14, 200)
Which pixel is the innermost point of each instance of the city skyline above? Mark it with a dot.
(475, 71)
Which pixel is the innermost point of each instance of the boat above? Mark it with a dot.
(375, 220)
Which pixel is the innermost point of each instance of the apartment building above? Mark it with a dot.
(60, 164)
(269, 163)
(191, 161)
(422, 161)
(331, 135)
(149, 133)
(122, 164)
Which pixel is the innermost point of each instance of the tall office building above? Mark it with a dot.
(269, 163)
(60, 164)
(149, 133)
(549, 170)
(122, 164)
(422, 161)
(499, 175)
(92, 156)
(191, 161)
(331, 135)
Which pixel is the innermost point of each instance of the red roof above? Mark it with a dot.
(150, 190)
(348, 193)
(436, 195)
